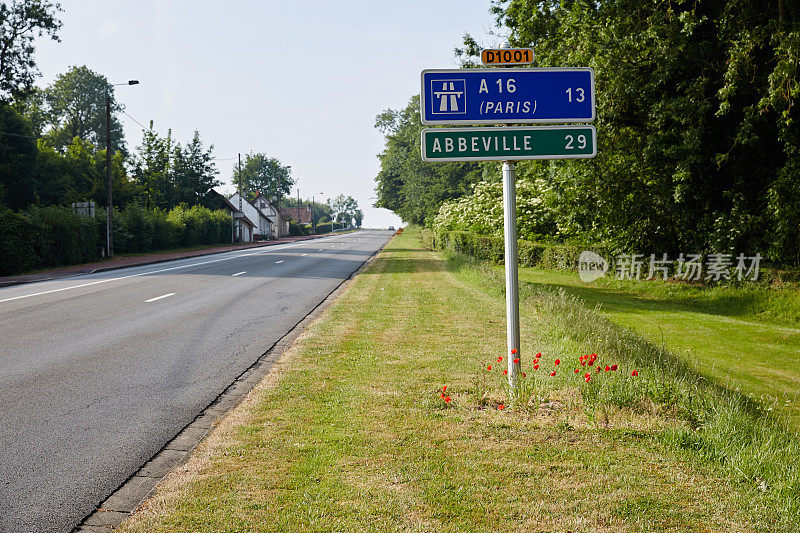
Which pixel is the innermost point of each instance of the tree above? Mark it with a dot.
(20, 22)
(152, 169)
(405, 184)
(697, 122)
(345, 209)
(193, 171)
(76, 107)
(260, 173)
(18, 187)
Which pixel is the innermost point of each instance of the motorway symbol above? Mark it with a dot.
(508, 144)
(503, 96)
(507, 56)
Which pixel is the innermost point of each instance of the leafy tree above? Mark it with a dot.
(18, 187)
(405, 184)
(152, 169)
(76, 107)
(193, 171)
(345, 209)
(260, 173)
(20, 22)
(698, 129)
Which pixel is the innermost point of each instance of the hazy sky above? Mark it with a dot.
(301, 81)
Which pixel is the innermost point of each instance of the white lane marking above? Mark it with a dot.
(239, 273)
(281, 261)
(139, 274)
(301, 255)
(160, 297)
(321, 250)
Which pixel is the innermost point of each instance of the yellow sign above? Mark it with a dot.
(507, 56)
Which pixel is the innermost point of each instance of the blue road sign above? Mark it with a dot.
(507, 96)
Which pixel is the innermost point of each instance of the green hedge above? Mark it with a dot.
(491, 248)
(43, 237)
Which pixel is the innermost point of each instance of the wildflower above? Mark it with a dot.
(536, 367)
(614, 368)
(516, 361)
(501, 406)
(444, 388)
(608, 368)
(513, 350)
(576, 370)
(489, 367)
(635, 373)
(538, 355)
(535, 361)
(599, 369)
(505, 372)
(553, 373)
(500, 359)
(447, 400)
(524, 374)
(587, 376)
(558, 362)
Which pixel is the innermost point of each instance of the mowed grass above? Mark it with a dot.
(349, 433)
(744, 338)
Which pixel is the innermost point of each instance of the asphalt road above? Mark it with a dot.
(98, 372)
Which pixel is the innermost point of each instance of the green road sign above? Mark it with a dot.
(508, 144)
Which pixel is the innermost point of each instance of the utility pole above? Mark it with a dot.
(240, 197)
(298, 207)
(110, 205)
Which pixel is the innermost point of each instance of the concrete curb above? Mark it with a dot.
(141, 485)
(11, 283)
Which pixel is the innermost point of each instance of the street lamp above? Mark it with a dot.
(110, 206)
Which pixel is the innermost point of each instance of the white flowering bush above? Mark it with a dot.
(482, 211)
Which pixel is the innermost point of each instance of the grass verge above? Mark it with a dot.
(349, 431)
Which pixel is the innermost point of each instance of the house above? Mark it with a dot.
(262, 224)
(301, 215)
(280, 223)
(214, 200)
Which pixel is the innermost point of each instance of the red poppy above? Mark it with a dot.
(538, 355)
(614, 368)
(608, 368)
(588, 379)
(588, 376)
(524, 374)
(516, 361)
(441, 395)
(535, 360)
(501, 406)
(489, 367)
(576, 370)
(599, 369)
(447, 400)
(505, 372)
(635, 373)
(513, 350)
(558, 362)
(500, 359)
(553, 373)
(444, 388)
(536, 367)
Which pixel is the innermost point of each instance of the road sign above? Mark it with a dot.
(508, 144)
(503, 96)
(507, 56)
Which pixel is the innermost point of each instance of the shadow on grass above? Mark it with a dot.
(623, 302)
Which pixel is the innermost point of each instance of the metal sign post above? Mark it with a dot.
(508, 96)
(511, 258)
